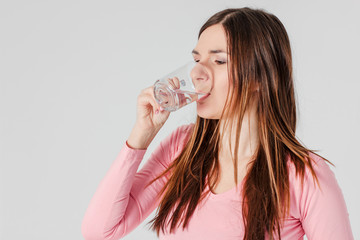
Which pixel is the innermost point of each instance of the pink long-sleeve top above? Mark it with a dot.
(121, 201)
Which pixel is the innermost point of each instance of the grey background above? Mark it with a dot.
(70, 73)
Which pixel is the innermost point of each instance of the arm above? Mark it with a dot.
(323, 210)
(121, 201)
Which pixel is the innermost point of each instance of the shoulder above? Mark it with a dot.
(184, 129)
(181, 134)
(323, 173)
(172, 145)
(313, 188)
(320, 208)
(311, 196)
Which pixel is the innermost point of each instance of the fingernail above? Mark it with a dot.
(157, 111)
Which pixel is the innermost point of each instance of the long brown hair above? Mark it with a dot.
(260, 55)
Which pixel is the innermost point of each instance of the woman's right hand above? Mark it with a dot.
(149, 120)
(150, 116)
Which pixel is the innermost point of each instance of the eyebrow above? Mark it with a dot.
(210, 51)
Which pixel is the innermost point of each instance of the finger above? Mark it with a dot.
(156, 105)
(147, 100)
(172, 83)
(176, 82)
(150, 91)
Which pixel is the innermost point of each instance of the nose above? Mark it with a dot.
(199, 74)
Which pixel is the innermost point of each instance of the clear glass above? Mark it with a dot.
(176, 89)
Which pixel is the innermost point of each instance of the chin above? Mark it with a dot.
(207, 113)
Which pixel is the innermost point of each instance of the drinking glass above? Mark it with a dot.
(176, 89)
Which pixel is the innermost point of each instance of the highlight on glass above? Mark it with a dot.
(176, 89)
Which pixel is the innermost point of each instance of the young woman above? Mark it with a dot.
(237, 173)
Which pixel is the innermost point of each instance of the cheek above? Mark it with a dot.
(222, 87)
(220, 93)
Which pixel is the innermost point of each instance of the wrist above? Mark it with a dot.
(134, 148)
(140, 139)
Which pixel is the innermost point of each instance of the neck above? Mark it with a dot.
(248, 141)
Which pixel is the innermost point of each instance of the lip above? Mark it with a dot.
(203, 98)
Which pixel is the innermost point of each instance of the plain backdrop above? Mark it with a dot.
(70, 73)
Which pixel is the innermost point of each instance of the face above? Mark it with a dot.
(210, 74)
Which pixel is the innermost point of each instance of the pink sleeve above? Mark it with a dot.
(323, 211)
(121, 201)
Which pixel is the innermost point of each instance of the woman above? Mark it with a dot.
(239, 171)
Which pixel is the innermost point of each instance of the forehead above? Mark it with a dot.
(213, 37)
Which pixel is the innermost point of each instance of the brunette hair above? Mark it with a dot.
(260, 54)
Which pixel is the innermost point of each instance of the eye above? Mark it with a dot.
(196, 60)
(219, 62)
